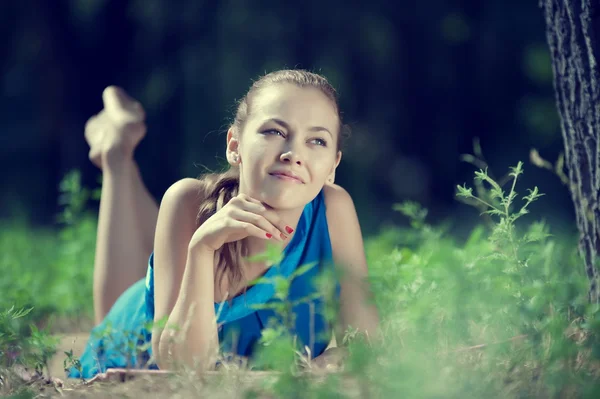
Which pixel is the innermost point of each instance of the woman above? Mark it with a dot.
(283, 148)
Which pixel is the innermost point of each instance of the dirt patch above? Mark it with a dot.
(218, 384)
(75, 342)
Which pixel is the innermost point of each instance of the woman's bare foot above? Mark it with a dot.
(114, 133)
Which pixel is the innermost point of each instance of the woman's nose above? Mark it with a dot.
(291, 156)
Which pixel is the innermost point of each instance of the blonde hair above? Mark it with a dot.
(220, 188)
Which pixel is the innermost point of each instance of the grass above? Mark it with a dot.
(501, 314)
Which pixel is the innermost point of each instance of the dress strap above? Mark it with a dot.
(311, 226)
(245, 304)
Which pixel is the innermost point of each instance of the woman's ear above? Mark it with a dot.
(331, 177)
(233, 144)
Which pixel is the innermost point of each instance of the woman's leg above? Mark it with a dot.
(128, 213)
(147, 211)
(126, 224)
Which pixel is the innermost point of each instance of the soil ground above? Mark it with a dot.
(70, 341)
(221, 384)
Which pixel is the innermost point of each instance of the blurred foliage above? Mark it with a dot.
(418, 81)
(36, 263)
(503, 314)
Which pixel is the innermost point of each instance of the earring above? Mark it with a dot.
(331, 178)
(236, 159)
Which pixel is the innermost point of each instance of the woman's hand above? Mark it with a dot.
(241, 217)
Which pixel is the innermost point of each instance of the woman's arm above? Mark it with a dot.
(357, 309)
(183, 281)
(195, 342)
(184, 256)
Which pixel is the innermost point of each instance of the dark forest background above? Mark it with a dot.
(419, 81)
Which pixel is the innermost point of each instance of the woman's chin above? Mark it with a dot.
(281, 199)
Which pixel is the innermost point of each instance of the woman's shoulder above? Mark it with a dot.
(187, 190)
(185, 196)
(337, 200)
(342, 219)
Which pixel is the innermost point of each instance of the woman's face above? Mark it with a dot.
(290, 130)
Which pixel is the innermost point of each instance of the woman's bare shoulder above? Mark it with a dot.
(335, 196)
(186, 195)
(342, 219)
(187, 188)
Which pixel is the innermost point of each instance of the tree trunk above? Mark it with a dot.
(572, 31)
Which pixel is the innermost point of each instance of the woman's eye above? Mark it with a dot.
(321, 142)
(317, 141)
(273, 131)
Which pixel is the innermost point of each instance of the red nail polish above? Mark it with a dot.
(269, 235)
(289, 229)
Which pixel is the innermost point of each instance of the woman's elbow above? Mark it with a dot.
(156, 350)
(161, 350)
(170, 354)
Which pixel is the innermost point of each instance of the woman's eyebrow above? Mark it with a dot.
(286, 126)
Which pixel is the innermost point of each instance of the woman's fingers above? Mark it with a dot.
(252, 205)
(252, 230)
(257, 220)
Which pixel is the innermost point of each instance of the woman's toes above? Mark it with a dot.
(114, 133)
(121, 108)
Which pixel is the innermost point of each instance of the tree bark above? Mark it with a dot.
(572, 31)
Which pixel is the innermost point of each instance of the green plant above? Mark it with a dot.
(501, 313)
(22, 347)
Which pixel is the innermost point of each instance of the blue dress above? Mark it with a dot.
(123, 338)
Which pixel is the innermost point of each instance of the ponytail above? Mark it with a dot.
(219, 189)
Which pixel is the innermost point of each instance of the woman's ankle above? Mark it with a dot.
(116, 159)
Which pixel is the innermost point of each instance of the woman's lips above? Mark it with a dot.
(286, 178)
